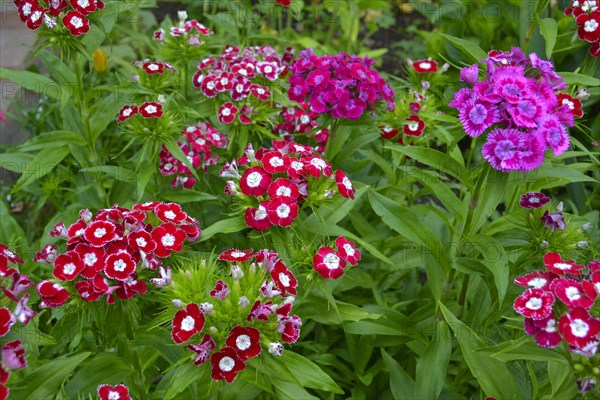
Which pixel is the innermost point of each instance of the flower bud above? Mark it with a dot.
(583, 94)
(100, 61)
(425, 85)
(136, 78)
(544, 244)
(207, 308)
(231, 189)
(289, 299)
(560, 206)
(177, 303)
(236, 272)
(161, 99)
(182, 15)
(582, 244)
(586, 226)
(328, 194)
(275, 348)
(212, 329)
(244, 302)
(445, 67)
(586, 384)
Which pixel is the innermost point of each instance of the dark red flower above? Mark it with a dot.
(344, 185)
(168, 238)
(117, 392)
(119, 266)
(245, 341)
(93, 259)
(67, 266)
(53, 295)
(554, 263)
(227, 113)
(235, 255)
(220, 291)
(255, 181)
(151, 109)
(536, 280)
(13, 355)
(99, 233)
(127, 112)
(152, 68)
(203, 350)
(187, 323)
(258, 218)
(76, 23)
(226, 364)
(284, 278)
(328, 264)
(282, 211)
(414, 127)
(533, 200)
(578, 327)
(283, 188)
(6, 321)
(425, 66)
(347, 250)
(170, 212)
(534, 303)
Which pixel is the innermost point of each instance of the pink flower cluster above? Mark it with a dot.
(13, 357)
(105, 253)
(330, 262)
(519, 99)
(198, 143)
(13, 285)
(343, 85)
(587, 17)
(239, 75)
(189, 31)
(280, 178)
(301, 120)
(576, 291)
(267, 309)
(74, 13)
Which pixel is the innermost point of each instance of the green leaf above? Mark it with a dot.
(492, 375)
(187, 373)
(432, 365)
(102, 368)
(307, 372)
(104, 112)
(15, 162)
(401, 384)
(146, 169)
(42, 164)
(187, 196)
(229, 225)
(119, 173)
(548, 29)
(52, 139)
(176, 151)
(488, 198)
(571, 78)
(495, 260)
(44, 382)
(470, 49)
(34, 82)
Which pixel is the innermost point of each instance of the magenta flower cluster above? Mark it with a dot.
(519, 100)
(343, 85)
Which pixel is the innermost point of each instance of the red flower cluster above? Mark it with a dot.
(343, 85)
(149, 109)
(281, 178)
(74, 14)
(104, 253)
(190, 31)
(241, 75)
(576, 292)
(587, 17)
(330, 263)
(243, 341)
(198, 143)
(301, 120)
(13, 285)
(13, 357)
(117, 392)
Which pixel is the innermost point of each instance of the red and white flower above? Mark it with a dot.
(119, 266)
(260, 311)
(574, 293)
(255, 181)
(572, 103)
(117, 392)
(203, 350)
(289, 328)
(187, 323)
(53, 295)
(579, 328)
(545, 331)
(76, 23)
(258, 218)
(344, 185)
(274, 162)
(414, 126)
(77, 229)
(284, 278)
(168, 238)
(347, 250)
(260, 92)
(316, 165)
(93, 259)
(425, 66)
(99, 233)
(141, 240)
(152, 68)
(282, 211)
(6, 321)
(554, 263)
(226, 364)
(67, 266)
(151, 109)
(245, 341)
(220, 291)
(224, 82)
(536, 280)
(170, 212)
(13, 355)
(235, 255)
(86, 7)
(328, 264)
(269, 70)
(589, 26)
(283, 188)
(127, 112)
(227, 113)
(534, 303)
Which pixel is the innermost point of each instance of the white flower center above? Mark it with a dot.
(113, 395)
(200, 141)
(590, 26)
(237, 254)
(284, 279)
(579, 328)
(168, 240)
(317, 162)
(297, 165)
(210, 85)
(346, 182)
(562, 266)
(153, 67)
(69, 268)
(83, 3)
(36, 15)
(170, 215)
(305, 119)
(226, 112)
(569, 103)
(413, 126)
(120, 265)
(283, 211)
(99, 232)
(284, 191)
(425, 65)
(26, 9)
(224, 81)
(260, 214)
(76, 22)
(551, 326)
(331, 261)
(188, 323)
(127, 112)
(226, 364)
(242, 342)
(268, 69)
(9, 253)
(254, 179)
(141, 242)
(349, 249)
(260, 91)
(537, 283)
(535, 303)
(151, 109)
(90, 259)
(239, 88)
(276, 162)
(572, 293)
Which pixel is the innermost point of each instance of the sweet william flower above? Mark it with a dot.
(6, 321)
(187, 323)
(282, 211)
(536, 280)
(203, 350)
(578, 327)
(275, 348)
(53, 295)
(13, 355)
(535, 304)
(258, 218)
(344, 185)
(284, 278)
(226, 364)
(93, 259)
(282, 187)
(545, 331)
(255, 181)
(117, 392)
(573, 104)
(168, 238)
(554, 263)
(347, 251)
(574, 293)
(533, 200)
(67, 266)
(119, 266)
(554, 221)
(170, 212)
(76, 23)
(328, 264)
(151, 109)
(152, 68)
(245, 341)
(227, 113)
(425, 66)
(99, 233)
(86, 7)
(220, 291)
(260, 311)
(235, 255)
